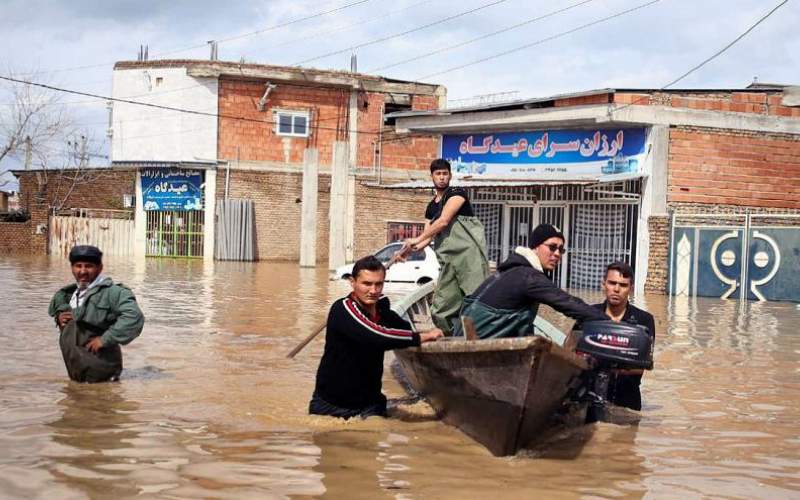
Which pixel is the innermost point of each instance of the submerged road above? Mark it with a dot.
(209, 406)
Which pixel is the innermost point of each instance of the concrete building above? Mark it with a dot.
(246, 131)
(615, 167)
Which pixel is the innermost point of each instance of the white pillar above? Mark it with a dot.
(308, 216)
(654, 200)
(337, 236)
(139, 221)
(209, 231)
(350, 200)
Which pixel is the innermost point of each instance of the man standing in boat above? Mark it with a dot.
(459, 242)
(360, 328)
(623, 384)
(506, 304)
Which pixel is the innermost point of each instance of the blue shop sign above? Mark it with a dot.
(548, 153)
(168, 189)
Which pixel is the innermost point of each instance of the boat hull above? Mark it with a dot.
(503, 393)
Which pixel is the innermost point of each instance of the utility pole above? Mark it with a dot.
(28, 152)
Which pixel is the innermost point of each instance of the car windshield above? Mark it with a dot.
(385, 253)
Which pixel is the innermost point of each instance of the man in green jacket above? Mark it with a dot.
(95, 316)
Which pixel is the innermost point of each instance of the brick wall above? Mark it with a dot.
(276, 196)
(15, 237)
(376, 207)
(712, 166)
(329, 108)
(763, 102)
(103, 189)
(658, 261)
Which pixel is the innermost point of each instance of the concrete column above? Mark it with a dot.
(654, 199)
(337, 236)
(308, 216)
(139, 221)
(352, 127)
(209, 231)
(349, 229)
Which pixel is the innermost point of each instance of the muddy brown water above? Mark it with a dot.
(209, 406)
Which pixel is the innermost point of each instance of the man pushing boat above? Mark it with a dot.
(459, 243)
(360, 328)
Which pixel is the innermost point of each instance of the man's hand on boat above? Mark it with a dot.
(430, 335)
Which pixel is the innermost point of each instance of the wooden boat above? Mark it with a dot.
(504, 393)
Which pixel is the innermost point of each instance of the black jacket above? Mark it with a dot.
(350, 372)
(623, 390)
(520, 285)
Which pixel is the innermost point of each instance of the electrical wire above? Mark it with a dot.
(477, 39)
(403, 33)
(708, 59)
(221, 40)
(540, 41)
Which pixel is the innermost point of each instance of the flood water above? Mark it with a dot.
(210, 407)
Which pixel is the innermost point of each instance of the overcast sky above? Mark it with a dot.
(75, 43)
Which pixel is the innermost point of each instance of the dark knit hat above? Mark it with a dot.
(544, 232)
(85, 253)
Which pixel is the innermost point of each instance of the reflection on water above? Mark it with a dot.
(209, 406)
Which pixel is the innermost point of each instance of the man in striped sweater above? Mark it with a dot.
(361, 327)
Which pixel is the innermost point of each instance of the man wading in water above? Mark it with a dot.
(360, 328)
(95, 316)
(459, 242)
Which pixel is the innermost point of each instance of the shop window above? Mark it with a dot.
(292, 123)
(398, 231)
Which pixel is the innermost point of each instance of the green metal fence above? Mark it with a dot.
(175, 234)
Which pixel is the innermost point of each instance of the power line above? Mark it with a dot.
(346, 27)
(235, 37)
(708, 59)
(270, 28)
(540, 41)
(728, 46)
(269, 123)
(483, 37)
(403, 33)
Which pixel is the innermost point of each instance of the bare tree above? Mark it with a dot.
(33, 120)
(36, 131)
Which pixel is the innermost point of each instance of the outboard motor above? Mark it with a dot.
(611, 345)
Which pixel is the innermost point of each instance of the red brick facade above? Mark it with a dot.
(277, 197)
(103, 189)
(256, 138)
(728, 167)
(758, 102)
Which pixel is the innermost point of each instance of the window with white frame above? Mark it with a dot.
(292, 123)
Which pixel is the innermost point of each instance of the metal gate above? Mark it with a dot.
(599, 234)
(175, 233)
(109, 230)
(554, 215)
(491, 215)
(235, 239)
(742, 256)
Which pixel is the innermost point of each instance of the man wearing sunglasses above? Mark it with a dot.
(506, 304)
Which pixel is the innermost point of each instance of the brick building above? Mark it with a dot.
(615, 167)
(247, 131)
(93, 191)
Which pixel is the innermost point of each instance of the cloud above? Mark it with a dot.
(646, 48)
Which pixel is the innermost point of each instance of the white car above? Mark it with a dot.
(420, 266)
